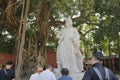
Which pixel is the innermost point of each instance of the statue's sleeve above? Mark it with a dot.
(76, 44)
(76, 37)
(60, 35)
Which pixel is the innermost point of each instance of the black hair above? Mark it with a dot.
(98, 55)
(9, 63)
(65, 71)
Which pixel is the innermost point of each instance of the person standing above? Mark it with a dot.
(7, 73)
(47, 74)
(36, 75)
(65, 74)
(68, 53)
(92, 73)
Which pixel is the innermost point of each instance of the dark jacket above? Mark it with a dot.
(91, 74)
(9, 76)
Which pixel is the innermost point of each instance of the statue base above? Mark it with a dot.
(77, 75)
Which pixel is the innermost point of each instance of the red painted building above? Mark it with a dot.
(6, 57)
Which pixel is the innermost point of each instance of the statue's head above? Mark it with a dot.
(68, 22)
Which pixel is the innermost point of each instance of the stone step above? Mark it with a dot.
(77, 76)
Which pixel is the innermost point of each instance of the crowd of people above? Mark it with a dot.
(96, 72)
(48, 74)
(90, 74)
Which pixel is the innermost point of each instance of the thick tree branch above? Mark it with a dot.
(90, 30)
(56, 23)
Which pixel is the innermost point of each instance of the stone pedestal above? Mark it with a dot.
(77, 76)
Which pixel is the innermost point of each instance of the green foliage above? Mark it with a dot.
(109, 26)
(6, 39)
(100, 14)
(31, 31)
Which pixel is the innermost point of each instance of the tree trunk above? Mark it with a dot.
(22, 42)
(31, 53)
(35, 48)
(43, 18)
(30, 58)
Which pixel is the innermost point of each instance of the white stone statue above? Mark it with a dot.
(68, 53)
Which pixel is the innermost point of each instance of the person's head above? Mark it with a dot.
(9, 65)
(39, 69)
(49, 67)
(65, 71)
(68, 22)
(97, 57)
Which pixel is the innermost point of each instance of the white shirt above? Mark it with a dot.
(47, 75)
(34, 76)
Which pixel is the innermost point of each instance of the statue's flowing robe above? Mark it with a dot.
(68, 53)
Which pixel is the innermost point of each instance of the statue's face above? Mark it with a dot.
(68, 22)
